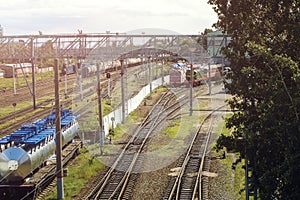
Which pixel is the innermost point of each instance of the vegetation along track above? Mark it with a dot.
(44, 88)
(188, 183)
(119, 179)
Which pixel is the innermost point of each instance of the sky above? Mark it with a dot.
(19, 17)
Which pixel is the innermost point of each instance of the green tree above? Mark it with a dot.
(46, 53)
(203, 40)
(264, 55)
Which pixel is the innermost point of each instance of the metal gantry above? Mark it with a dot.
(94, 46)
(26, 47)
(103, 47)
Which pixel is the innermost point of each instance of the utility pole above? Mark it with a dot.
(58, 138)
(33, 74)
(79, 78)
(122, 91)
(66, 63)
(101, 135)
(209, 78)
(162, 72)
(80, 81)
(191, 89)
(14, 78)
(150, 75)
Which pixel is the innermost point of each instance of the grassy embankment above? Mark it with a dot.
(82, 168)
(8, 84)
(232, 179)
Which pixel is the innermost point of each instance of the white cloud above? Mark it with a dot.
(30, 16)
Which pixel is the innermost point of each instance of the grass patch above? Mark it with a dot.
(236, 174)
(8, 83)
(83, 167)
(10, 109)
(237, 177)
(172, 129)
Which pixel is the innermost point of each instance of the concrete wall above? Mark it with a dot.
(132, 103)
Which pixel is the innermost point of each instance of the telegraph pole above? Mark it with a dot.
(122, 91)
(58, 138)
(150, 75)
(101, 135)
(191, 89)
(162, 72)
(14, 77)
(33, 74)
(209, 78)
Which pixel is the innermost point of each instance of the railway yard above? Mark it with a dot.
(161, 151)
(149, 114)
(157, 182)
(177, 175)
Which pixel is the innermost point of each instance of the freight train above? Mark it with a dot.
(26, 149)
(88, 69)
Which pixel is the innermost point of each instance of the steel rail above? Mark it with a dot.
(126, 177)
(146, 121)
(176, 186)
(154, 125)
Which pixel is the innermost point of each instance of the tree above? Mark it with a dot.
(46, 53)
(264, 54)
(203, 40)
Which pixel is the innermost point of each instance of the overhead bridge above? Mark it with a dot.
(108, 46)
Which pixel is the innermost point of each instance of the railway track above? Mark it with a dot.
(43, 111)
(119, 180)
(48, 183)
(16, 118)
(44, 88)
(42, 181)
(190, 184)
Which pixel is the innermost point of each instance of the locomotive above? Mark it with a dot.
(198, 76)
(66, 70)
(180, 74)
(26, 149)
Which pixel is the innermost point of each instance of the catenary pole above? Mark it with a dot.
(122, 91)
(191, 89)
(33, 73)
(101, 135)
(58, 138)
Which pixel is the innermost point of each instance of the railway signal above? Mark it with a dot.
(108, 84)
(14, 105)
